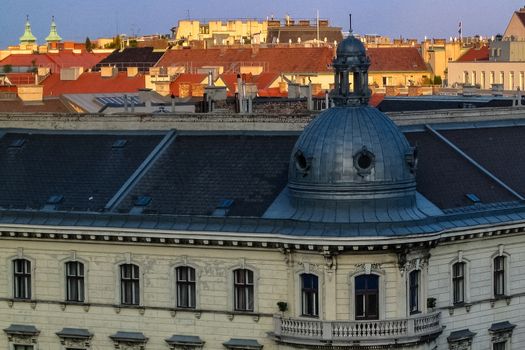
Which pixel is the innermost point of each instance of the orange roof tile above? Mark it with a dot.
(396, 59)
(263, 80)
(275, 59)
(55, 61)
(475, 54)
(376, 99)
(92, 82)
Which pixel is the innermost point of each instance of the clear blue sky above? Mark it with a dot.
(77, 19)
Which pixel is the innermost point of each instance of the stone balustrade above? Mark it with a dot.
(305, 331)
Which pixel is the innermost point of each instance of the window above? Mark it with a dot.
(310, 295)
(185, 286)
(502, 345)
(75, 281)
(129, 284)
(458, 282)
(243, 290)
(22, 279)
(499, 276)
(367, 297)
(23, 347)
(413, 285)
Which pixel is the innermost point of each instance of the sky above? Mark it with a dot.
(77, 19)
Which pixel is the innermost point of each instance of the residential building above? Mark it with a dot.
(516, 27)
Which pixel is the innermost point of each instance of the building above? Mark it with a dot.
(516, 27)
(439, 52)
(351, 233)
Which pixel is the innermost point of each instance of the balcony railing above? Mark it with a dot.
(411, 330)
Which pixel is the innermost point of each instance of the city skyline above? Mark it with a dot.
(394, 18)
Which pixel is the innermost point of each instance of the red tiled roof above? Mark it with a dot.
(272, 92)
(87, 60)
(55, 61)
(187, 78)
(276, 59)
(376, 99)
(27, 60)
(396, 59)
(521, 16)
(92, 82)
(263, 80)
(475, 54)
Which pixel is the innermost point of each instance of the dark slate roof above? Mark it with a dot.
(501, 150)
(235, 343)
(22, 329)
(444, 177)
(426, 103)
(196, 173)
(74, 333)
(141, 57)
(187, 340)
(131, 337)
(83, 168)
(499, 327)
(460, 335)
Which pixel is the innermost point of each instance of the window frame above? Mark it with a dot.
(133, 282)
(309, 296)
(188, 283)
(499, 274)
(417, 289)
(456, 279)
(366, 293)
(246, 288)
(27, 275)
(78, 279)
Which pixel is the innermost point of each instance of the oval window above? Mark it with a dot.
(364, 161)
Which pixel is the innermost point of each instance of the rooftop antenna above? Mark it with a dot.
(350, 30)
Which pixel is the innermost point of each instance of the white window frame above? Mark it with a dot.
(466, 280)
(73, 258)
(231, 288)
(175, 285)
(382, 290)
(118, 287)
(507, 284)
(11, 276)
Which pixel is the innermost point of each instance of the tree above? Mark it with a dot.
(437, 80)
(89, 45)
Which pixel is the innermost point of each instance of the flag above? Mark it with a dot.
(460, 30)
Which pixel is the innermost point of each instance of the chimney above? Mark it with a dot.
(71, 73)
(145, 97)
(108, 72)
(132, 72)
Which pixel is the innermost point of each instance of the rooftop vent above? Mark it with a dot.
(473, 198)
(53, 201)
(119, 143)
(223, 208)
(139, 204)
(18, 143)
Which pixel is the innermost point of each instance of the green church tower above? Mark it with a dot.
(53, 36)
(28, 38)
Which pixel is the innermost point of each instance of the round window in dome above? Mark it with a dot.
(302, 163)
(364, 161)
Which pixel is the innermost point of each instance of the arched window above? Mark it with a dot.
(129, 284)
(310, 295)
(186, 291)
(75, 281)
(367, 297)
(414, 280)
(22, 279)
(243, 290)
(458, 282)
(499, 276)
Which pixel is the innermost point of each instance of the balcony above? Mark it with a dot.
(406, 331)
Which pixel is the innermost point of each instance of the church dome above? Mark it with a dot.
(351, 46)
(352, 153)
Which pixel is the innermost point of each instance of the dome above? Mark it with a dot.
(352, 153)
(351, 46)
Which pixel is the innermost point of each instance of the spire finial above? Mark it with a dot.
(27, 18)
(350, 18)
